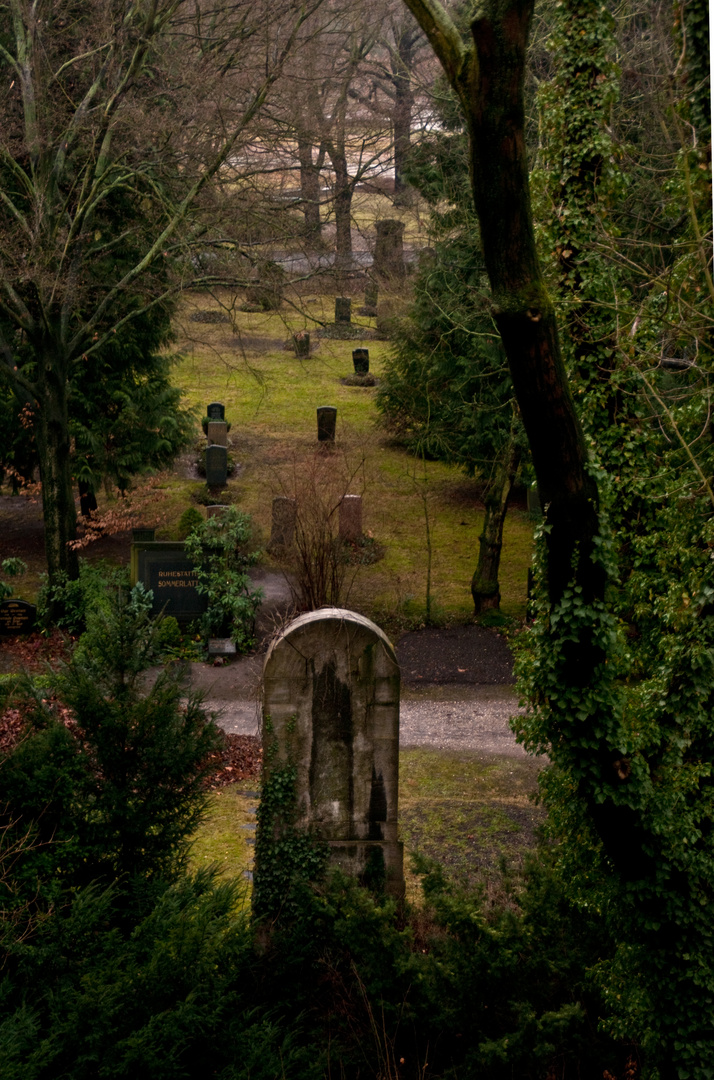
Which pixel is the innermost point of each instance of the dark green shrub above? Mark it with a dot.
(12, 567)
(190, 519)
(218, 547)
(114, 787)
(66, 603)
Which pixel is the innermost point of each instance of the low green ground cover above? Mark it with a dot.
(472, 814)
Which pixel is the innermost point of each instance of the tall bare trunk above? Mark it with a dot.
(53, 449)
(343, 209)
(485, 587)
(403, 103)
(309, 189)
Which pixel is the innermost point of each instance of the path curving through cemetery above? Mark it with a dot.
(457, 692)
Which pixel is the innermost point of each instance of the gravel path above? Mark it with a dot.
(457, 689)
(444, 718)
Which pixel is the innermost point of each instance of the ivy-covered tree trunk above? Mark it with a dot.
(53, 450)
(485, 587)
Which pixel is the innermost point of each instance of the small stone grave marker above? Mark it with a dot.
(301, 344)
(221, 647)
(343, 310)
(331, 710)
(217, 433)
(389, 249)
(17, 617)
(360, 361)
(326, 423)
(216, 466)
(216, 411)
(216, 509)
(350, 527)
(371, 299)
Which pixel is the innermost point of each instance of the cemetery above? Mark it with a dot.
(356, 541)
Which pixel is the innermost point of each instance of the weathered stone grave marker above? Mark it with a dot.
(217, 433)
(371, 299)
(282, 530)
(389, 249)
(331, 710)
(326, 423)
(343, 310)
(350, 527)
(360, 361)
(216, 411)
(301, 343)
(216, 466)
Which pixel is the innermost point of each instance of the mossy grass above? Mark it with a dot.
(222, 839)
(472, 813)
(271, 397)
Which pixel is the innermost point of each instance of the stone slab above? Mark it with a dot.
(163, 567)
(217, 432)
(216, 466)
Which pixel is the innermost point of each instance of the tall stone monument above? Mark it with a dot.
(331, 709)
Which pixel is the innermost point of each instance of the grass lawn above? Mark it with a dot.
(472, 814)
(271, 398)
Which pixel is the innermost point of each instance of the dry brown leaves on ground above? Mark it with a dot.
(240, 758)
(33, 651)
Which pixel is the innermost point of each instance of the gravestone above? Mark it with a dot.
(265, 291)
(301, 344)
(533, 500)
(343, 310)
(216, 509)
(282, 531)
(17, 617)
(389, 250)
(216, 411)
(163, 567)
(360, 361)
(326, 423)
(350, 527)
(217, 433)
(371, 299)
(139, 536)
(216, 466)
(331, 710)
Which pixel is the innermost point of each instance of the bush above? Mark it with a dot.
(66, 603)
(12, 567)
(218, 547)
(108, 781)
(190, 519)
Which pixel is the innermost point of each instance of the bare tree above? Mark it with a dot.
(116, 120)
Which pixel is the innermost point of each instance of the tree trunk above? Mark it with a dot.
(309, 189)
(53, 449)
(485, 588)
(523, 311)
(403, 103)
(343, 209)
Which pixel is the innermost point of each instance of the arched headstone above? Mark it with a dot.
(331, 709)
